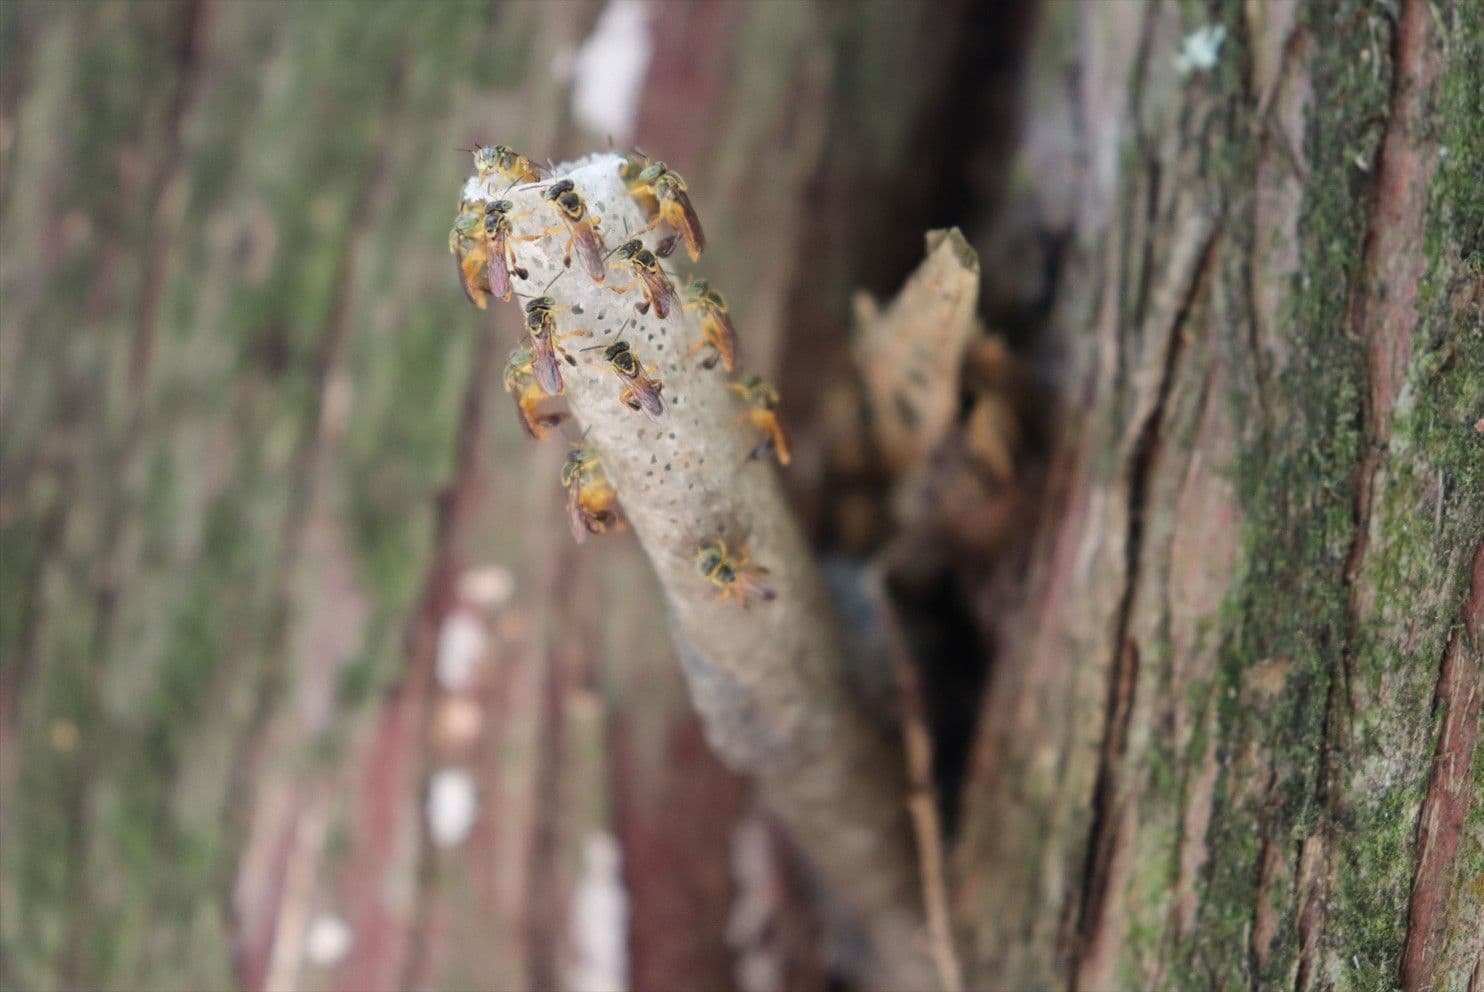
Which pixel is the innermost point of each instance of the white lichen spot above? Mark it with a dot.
(1199, 50)
(608, 72)
(327, 940)
(600, 919)
(461, 644)
(453, 805)
(488, 586)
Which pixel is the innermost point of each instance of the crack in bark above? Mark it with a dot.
(1103, 836)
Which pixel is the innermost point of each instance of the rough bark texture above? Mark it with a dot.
(1231, 732)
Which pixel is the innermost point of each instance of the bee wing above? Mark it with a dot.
(726, 339)
(647, 392)
(661, 292)
(682, 216)
(590, 251)
(499, 273)
(576, 518)
(753, 588)
(469, 265)
(548, 372)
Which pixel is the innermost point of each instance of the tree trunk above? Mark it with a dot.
(1230, 736)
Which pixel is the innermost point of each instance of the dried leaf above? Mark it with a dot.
(911, 353)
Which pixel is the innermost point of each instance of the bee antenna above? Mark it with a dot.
(554, 278)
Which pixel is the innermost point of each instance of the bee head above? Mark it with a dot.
(466, 224)
(709, 561)
(486, 157)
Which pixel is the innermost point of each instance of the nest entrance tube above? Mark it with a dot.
(767, 679)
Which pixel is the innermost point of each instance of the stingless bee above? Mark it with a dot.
(717, 332)
(734, 577)
(641, 390)
(762, 413)
(582, 228)
(499, 236)
(546, 343)
(672, 205)
(505, 162)
(469, 247)
(520, 382)
(656, 286)
(629, 170)
(590, 497)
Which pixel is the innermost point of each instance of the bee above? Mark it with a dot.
(762, 413)
(505, 162)
(717, 332)
(582, 228)
(520, 382)
(672, 205)
(656, 286)
(498, 234)
(546, 343)
(590, 497)
(633, 164)
(641, 390)
(735, 577)
(470, 249)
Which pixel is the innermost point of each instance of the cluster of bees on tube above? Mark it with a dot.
(485, 243)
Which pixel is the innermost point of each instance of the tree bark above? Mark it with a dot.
(1231, 732)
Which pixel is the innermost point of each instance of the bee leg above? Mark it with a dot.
(695, 348)
(622, 289)
(567, 251)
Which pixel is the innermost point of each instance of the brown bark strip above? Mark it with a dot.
(544, 920)
(1450, 787)
(1383, 308)
(1104, 837)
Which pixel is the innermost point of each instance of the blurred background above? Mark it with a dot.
(304, 682)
